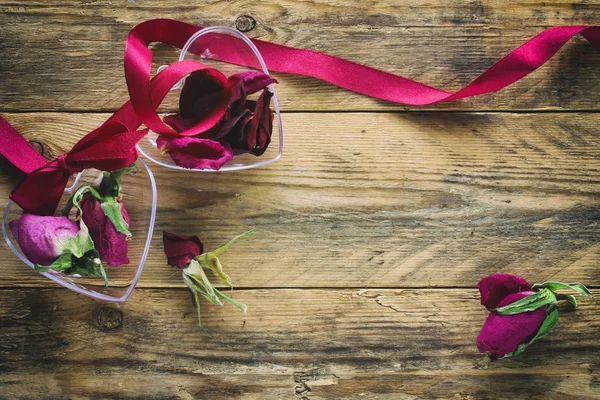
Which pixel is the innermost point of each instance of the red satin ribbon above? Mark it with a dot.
(346, 74)
(108, 148)
(112, 146)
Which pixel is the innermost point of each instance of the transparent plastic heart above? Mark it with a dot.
(211, 43)
(139, 197)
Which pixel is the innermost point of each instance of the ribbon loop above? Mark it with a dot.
(110, 147)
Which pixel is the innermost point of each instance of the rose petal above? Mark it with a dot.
(110, 243)
(258, 132)
(195, 153)
(201, 92)
(177, 123)
(41, 238)
(496, 287)
(180, 249)
(253, 81)
(502, 334)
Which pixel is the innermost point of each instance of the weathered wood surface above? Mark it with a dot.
(372, 229)
(304, 344)
(408, 200)
(67, 55)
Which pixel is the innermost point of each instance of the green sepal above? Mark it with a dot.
(111, 181)
(112, 209)
(211, 260)
(78, 257)
(530, 303)
(226, 246)
(231, 301)
(196, 280)
(63, 262)
(76, 198)
(577, 287)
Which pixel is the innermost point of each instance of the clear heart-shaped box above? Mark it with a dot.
(210, 43)
(139, 198)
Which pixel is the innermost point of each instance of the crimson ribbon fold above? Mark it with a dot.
(113, 145)
(110, 147)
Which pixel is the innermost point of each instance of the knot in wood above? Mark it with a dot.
(245, 23)
(39, 147)
(110, 319)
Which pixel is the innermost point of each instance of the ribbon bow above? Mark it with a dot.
(110, 147)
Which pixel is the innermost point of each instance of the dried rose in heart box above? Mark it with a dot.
(211, 44)
(139, 197)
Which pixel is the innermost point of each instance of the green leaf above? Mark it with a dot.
(62, 263)
(577, 287)
(213, 263)
(112, 209)
(529, 303)
(81, 243)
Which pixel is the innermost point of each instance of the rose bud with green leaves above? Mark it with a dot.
(186, 253)
(102, 210)
(520, 313)
(56, 244)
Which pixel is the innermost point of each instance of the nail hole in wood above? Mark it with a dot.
(245, 23)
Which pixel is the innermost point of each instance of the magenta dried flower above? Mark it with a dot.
(42, 239)
(110, 243)
(520, 313)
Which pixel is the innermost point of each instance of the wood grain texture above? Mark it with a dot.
(380, 200)
(292, 344)
(67, 55)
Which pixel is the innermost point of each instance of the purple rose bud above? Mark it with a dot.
(502, 334)
(110, 243)
(42, 238)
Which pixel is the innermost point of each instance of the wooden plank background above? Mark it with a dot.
(372, 230)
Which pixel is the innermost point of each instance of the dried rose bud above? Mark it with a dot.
(110, 243)
(185, 252)
(42, 239)
(520, 313)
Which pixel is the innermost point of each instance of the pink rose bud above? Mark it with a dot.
(110, 243)
(520, 313)
(42, 238)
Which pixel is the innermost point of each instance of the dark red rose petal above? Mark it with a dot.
(201, 92)
(195, 153)
(258, 132)
(180, 249)
(495, 288)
